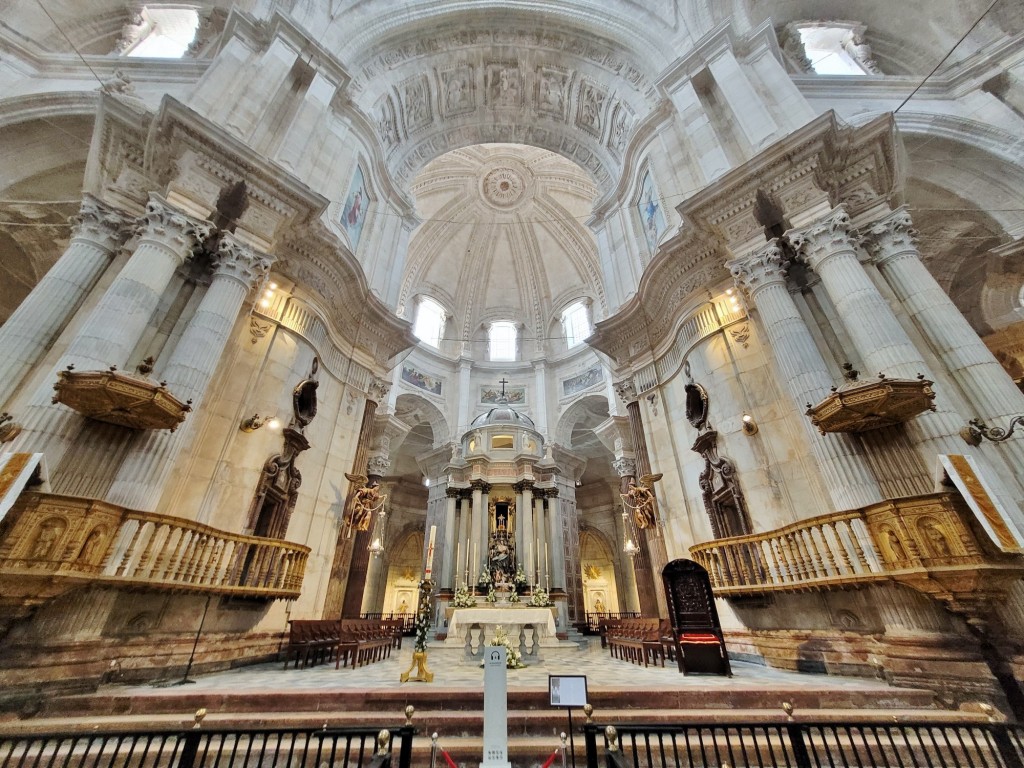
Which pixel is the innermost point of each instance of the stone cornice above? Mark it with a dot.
(315, 258)
(283, 201)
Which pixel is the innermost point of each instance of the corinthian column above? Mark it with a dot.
(892, 242)
(762, 275)
(151, 457)
(114, 327)
(652, 557)
(881, 342)
(29, 331)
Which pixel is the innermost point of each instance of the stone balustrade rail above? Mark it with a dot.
(67, 539)
(833, 550)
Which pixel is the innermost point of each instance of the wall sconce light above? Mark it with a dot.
(268, 295)
(749, 425)
(629, 546)
(376, 545)
(256, 421)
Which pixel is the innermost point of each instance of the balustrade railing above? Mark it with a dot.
(833, 550)
(80, 539)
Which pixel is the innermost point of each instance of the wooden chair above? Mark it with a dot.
(697, 641)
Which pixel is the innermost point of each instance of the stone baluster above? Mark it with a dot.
(830, 248)
(804, 374)
(116, 324)
(26, 335)
(892, 242)
(193, 362)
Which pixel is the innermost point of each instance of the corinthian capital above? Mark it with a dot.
(825, 238)
(379, 389)
(98, 223)
(892, 236)
(170, 227)
(378, 465)
(624, 467)
(626, 390)
(236, 260)
(762, 268)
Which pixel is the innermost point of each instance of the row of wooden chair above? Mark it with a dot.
(637, 640)
(352, 642)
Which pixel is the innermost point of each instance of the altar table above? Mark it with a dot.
(510, 619)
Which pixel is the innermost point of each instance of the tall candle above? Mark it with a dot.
(458, 559)
(547, 562)
(430, 552)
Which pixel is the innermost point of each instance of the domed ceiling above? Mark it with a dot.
(503, 238)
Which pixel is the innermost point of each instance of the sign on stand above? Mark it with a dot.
(495, 708)
(568, 691)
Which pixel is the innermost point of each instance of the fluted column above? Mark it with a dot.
(449, 568)
(556, 552)
(540, 536)
(525, 522)
(478, 529)
(465, 526)
(26, 335)
(144, 471)
(892, 242)
(652, 558)
(804, 374)
(625, 468)
(830, 248)
(114, 327)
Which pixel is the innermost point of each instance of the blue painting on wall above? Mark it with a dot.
(651, 213)
(356, 203)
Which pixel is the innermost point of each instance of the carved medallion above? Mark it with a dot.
(503, 187)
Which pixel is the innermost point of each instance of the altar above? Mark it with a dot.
(478, 625)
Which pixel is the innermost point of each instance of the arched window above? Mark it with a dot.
(159, 33)
(837, 50)
(430, 318)
(501, 338)
(575, 324)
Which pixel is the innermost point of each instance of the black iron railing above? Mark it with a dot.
(262, 748)
(806, 745)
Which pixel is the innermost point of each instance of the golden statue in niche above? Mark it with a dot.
(640, 500)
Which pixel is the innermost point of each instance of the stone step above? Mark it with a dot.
(532, 724)
(181, 701)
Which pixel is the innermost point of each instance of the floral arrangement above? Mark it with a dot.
(423, 617)
(492, 596)
(484, 579)
(513, 659)
(540, 598)
(514, 597)
(462, 598)
(520, 579)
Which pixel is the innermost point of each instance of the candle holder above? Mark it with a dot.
(419, 653)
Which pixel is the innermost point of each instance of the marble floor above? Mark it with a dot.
(452, 670)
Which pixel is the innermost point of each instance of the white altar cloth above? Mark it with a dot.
(511, 619)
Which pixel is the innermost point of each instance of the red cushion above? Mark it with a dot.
(699, 638)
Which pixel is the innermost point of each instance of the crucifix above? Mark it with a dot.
(503, 382)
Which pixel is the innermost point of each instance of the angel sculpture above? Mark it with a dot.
(368, 499)
(640, 499)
